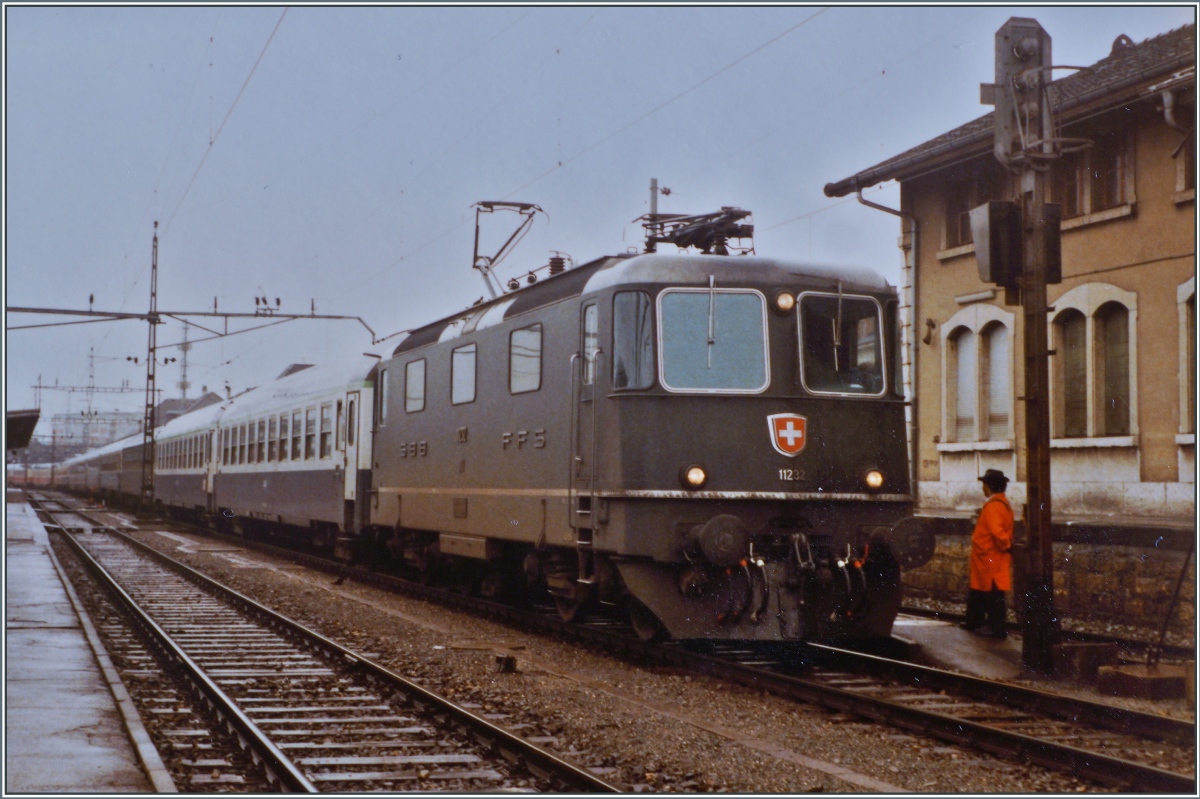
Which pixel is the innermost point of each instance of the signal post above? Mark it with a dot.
(1017, 245)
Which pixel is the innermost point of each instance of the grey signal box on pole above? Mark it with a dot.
(996, 231)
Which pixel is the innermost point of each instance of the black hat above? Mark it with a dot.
(995, 480)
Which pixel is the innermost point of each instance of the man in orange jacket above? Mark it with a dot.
(991, 558)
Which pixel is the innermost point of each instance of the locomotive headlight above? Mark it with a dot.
(874, 478)
(693, 476)
(784, 302)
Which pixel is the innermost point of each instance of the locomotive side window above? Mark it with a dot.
(525, 360)
(326, 430)
(713, 340)
(841, 344)
(591, 343)
(297, 432)
(462, 375)
(414, 386)
(633, 340)
(310, 433)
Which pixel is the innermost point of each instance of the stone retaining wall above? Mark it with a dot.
(1099, 582)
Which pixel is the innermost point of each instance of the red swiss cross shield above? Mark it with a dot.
(787, 433)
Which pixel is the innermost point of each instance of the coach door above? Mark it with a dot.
(586, 366)
(349, 423)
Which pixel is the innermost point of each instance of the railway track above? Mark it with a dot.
(1119, 748)
(314, 715)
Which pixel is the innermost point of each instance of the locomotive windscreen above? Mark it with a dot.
(841, 345)
(713, 340)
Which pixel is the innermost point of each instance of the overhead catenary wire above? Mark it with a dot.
(560, 164)
(602, 140)
(228, 114)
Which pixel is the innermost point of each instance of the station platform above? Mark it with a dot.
(944, 645)
(65, 706)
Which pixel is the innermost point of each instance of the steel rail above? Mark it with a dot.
(565, 775)
(279, 768)
(1102, 768)
(1031, 700)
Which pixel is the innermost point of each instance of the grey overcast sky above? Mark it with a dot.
(331, 155)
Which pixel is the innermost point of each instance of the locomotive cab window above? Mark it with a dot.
(525, 360)
(841, 344)
(414, 386)
(383, 396)
(633, 340)
(713, 340)
(462, 375)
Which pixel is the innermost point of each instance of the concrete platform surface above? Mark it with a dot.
(944, 645)
(63, 729)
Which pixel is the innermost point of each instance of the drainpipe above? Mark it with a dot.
(908, 322)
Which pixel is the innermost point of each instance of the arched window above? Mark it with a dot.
(1112, 369)
(997, 395)
(1094, 383)
(1072, 353)
(977, 359)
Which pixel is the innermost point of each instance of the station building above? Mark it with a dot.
(1122, 323)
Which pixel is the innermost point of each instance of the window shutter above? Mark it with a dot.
(999, 390)
(966, 386)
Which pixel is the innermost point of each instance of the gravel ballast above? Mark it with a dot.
(643, 728)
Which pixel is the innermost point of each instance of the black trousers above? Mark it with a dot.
(986, 607)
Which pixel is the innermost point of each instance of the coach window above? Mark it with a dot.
(525, 360)
(225, 446)
(243, 440)
(252, 443)
(273, 439)
(310, 433)
(283, 436)
(841, 344)
(414, 386)
(462, 375)
(297, 432)
(350, 422)
(713, 340)
(383, 396)
(262, 440)
(340, 429)
(633, 340)
(326, 430)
